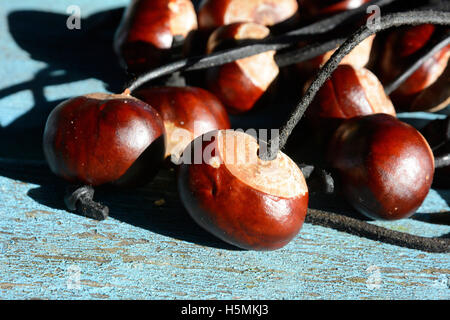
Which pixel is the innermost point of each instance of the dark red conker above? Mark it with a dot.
(348, 93)
(149, 29)
(187, 112)
(428, 88)
(242, 83)
(386, 166)
(100, 138)
(247, 202)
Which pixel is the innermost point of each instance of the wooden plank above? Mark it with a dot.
(148, 248)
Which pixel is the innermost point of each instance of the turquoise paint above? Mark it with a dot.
(148, 252)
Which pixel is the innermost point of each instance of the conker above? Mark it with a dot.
(241, 199)
(188, 112)
(436, 97)
(216, 13)
(386, 166)
(428, 88)
(100, 138)
(149, 29)
(240, 84)
(348, 93)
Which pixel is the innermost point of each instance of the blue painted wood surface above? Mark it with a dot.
(150, 249)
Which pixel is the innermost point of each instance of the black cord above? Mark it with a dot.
(226, 56)
(308, 52)
(328, 24)
(377, 233)
(80, 199)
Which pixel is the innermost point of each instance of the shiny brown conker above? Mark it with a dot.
(241, 199)
(187, 112)
(100, 138)
(386, 166)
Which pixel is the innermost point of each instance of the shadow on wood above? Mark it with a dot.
(141, 207)
(70, 55)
